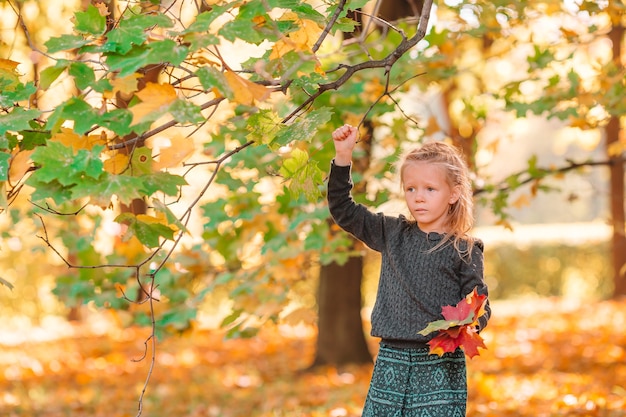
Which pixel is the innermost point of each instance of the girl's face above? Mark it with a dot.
(428, 195)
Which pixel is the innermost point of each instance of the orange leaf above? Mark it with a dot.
(20, 164)
(154, 98)
(245, 91)
(177, 151)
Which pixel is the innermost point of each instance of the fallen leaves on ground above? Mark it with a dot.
(544, 358)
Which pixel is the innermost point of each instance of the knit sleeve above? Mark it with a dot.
(472, 276)
(354, 218)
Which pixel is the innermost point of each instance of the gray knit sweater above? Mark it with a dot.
(414, 283)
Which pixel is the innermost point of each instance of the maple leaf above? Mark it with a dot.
(245, 91)
(155, 101)
(458, 329)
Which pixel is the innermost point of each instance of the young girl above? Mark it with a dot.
(427, 263)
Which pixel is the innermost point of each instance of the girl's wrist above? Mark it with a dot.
(342, 160)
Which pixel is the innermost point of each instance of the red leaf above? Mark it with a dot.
(459, 327)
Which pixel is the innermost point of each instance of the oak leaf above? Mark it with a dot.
(458, 329)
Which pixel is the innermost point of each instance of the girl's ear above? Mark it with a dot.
(454, 196)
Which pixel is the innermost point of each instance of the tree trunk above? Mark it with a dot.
(341, 339)
(617, 182)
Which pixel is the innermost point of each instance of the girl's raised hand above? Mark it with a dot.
(345, 132)
(344, 138)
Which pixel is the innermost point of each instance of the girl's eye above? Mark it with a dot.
(410, 189)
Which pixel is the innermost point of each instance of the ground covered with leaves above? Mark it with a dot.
(544, 358)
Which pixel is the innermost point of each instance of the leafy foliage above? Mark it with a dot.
(227, 145)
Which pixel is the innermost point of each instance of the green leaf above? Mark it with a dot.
(186, 112)
(17, 120)
(198, 41)
(16, 93)
(49, 190)
(159, 52)
(264, 126)
(90, 22)
(132, 31)
(83, 75)
(128, 63)
(204, 20)
(78, 110)
(162, 181)
(210, 78)
(169, 215)
(121, 40)
(125, 187)
(148, 234)
(167, 51)
(305, 128)
(303, 173)
(242, 29)
(141, 162)
(58, 162)
(50, 74)
(65, 43)
(117, 120)
(4, 166)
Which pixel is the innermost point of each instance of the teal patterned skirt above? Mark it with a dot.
(410, 382)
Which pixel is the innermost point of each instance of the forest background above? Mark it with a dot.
(163, 164)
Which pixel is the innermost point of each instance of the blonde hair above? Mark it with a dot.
(460, 214)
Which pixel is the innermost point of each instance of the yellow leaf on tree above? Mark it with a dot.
(521, 201)
(245, 91)
(302, 39)
(126, 86)
(170, 156)
(20, 164)
(8, 65)
(71, 139)
(116, 164)
(154, 97)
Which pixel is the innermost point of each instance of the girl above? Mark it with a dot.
(427, 263)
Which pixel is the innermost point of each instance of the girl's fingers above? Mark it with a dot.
(342, 132)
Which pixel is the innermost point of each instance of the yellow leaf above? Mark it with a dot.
(521, 201)
(245, 91)
(170, 156)
(132, 249)
(146, 218)
(20, 164)
(154, 97)
(159, 218)
(116, 164)
(307, 35)
(8, 65)
(71, 139)
(102, 8)
(302, 39)
(125, 86)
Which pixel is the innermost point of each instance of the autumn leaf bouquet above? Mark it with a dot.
(459, 327)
